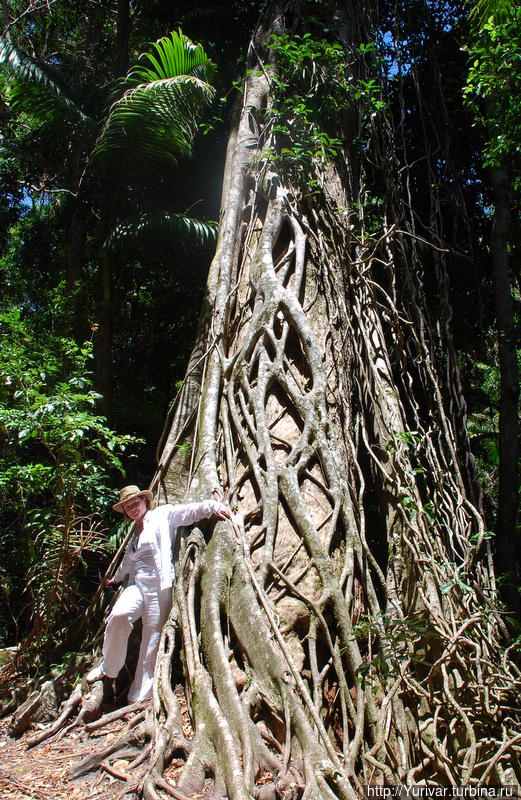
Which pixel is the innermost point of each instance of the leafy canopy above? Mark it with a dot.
(54, 445)
(493, 90)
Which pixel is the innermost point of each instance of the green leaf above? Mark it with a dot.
(37, 82)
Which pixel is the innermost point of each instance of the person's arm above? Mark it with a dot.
(121, 572)
(184, 514)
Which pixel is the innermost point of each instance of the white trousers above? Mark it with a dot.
(142, 599)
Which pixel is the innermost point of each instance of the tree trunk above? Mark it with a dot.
(507, 550)
(342, 630)
(104, 366)
(124, 25)
(106, 337)
(74, 270)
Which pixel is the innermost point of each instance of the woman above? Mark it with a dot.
(148, 563)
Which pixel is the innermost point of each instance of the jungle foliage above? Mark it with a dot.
(90, 208)
(57, 460)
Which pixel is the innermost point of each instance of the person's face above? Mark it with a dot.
(136, 508)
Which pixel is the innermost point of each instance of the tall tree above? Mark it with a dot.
(344, 629)
(148, 130)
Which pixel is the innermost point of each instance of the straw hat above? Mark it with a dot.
(129, 493)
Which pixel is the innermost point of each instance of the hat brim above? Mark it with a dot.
(145, 493)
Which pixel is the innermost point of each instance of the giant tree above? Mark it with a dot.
(344, 629)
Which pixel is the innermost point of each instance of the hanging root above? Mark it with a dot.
(42, 704)
(91, 706)
(344, 628)
(168, 731)
(308, 658)
(107, 719)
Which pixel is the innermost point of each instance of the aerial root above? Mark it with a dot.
(114, 715)
(40, 705)
(173, 791)
(90, 708)
(116, 773)
(90, 704)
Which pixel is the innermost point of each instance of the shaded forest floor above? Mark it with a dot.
(41, 773)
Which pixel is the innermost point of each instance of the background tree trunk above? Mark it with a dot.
(507, 548)
(124, 26)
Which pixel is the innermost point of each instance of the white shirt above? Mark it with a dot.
(159, 525)
(142, 554)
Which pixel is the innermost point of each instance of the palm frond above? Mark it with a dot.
(159, 227)
(172, 56)
(154, 123)
(37, 85)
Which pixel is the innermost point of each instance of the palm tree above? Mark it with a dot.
(147, 131)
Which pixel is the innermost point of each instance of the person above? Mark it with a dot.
(148, 563)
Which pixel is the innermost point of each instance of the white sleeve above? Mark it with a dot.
(185, 514)
(123, 570)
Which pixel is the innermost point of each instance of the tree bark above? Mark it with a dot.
(507, 548)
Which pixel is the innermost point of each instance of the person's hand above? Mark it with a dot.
(223, 512)
(111, 582)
